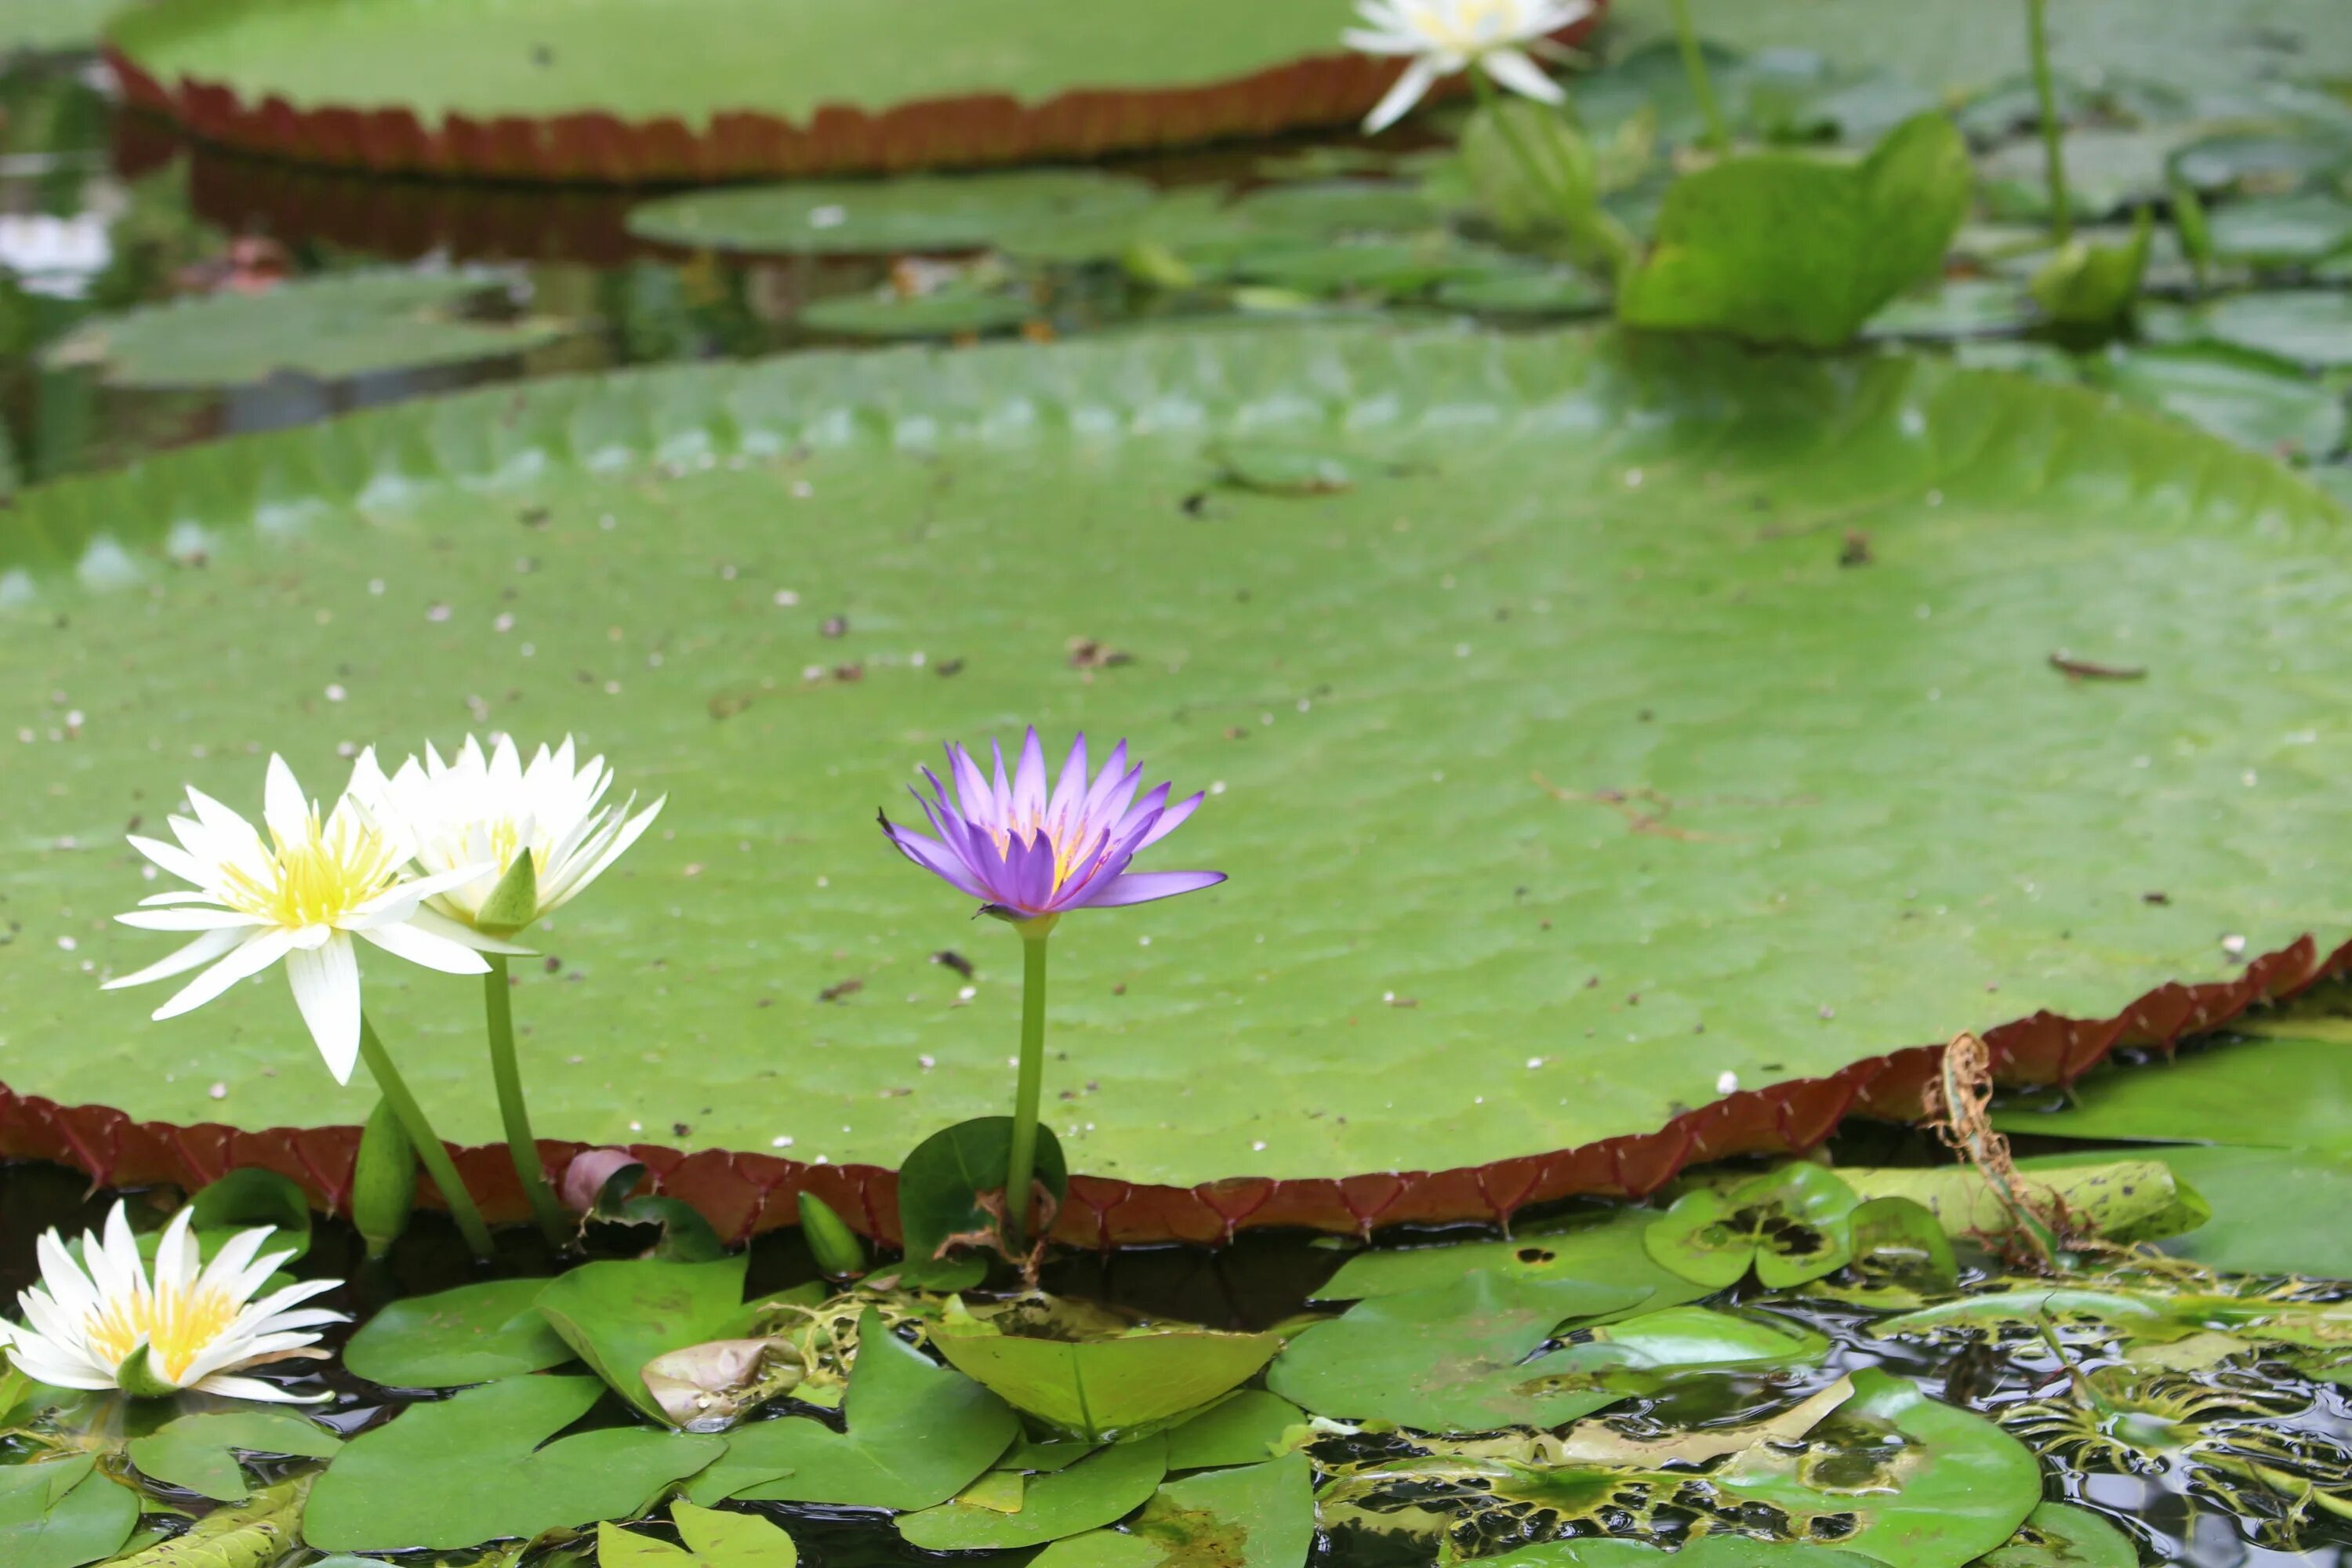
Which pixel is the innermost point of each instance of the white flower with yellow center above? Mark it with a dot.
(1444, 36)
(301, 896)
(108, 1323)
(484, 810)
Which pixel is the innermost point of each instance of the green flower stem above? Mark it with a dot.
(1597, 226)
(429, 1147)
(2053, 141)
(1023, 1162)
(1718, 135)
(497, 1007)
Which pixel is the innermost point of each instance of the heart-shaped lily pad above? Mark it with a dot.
(475, 1334)
(1789, 1226)
(1107, 1386)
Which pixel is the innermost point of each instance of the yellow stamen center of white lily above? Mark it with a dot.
(175, 1325)
(317, 878)
(1461, 27)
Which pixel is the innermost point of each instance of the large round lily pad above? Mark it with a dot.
(1568, 759)
(646, 89)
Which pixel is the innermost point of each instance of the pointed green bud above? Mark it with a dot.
(514, 902)
(836, 1247)
(137, 1379)
(384, 1181)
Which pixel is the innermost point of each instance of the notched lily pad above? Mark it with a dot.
(1789, 1226)
(1098, 1380)
(1099, 1490)
(475, 1334)
(200, 1452)
(620, 1315)
(712, 1539)
(1253, 1516)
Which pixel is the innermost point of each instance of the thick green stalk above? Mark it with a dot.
(498, 1006)
(1022, 1162)
(2053, 140)
(1718, 135)
(429, 1147)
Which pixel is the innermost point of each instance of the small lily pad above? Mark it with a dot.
(1242, 1430)
(1960, 308)
(1105, 1486)
(914, 1435)
(941, 1188)
(199, 1452)
(2311, 327)
(2282, 230)
(2270, 162)
(479, 1467)
(1524, 291)
(62, 1512)
(951, 312)
(619, 1315)
(1706, 1551)
(1337, 208)
(2252, 398)
(475, 1334)
(1789, 1226)
(877, 217)
(251, 1199)
(1254, 1516)
(713, 1539)
(2060, 1535)
(1605, 1248)
(330, 327)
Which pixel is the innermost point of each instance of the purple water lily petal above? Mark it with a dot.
(1033, 842)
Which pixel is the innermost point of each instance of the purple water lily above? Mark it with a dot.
(1031, 851)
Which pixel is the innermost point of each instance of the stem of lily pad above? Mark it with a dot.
(429, 1147)
(523, 1147)
(1022, 1163)
(1718, 135)
(2053, 141)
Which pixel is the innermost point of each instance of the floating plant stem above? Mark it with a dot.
(523, 1147)
(1021, 1163)
(1719, 136)
(429, 1147)
(2054, 147)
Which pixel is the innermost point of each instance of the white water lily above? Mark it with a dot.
(86, 1322)
(303, 896)
(485, 809)
(1444, 36)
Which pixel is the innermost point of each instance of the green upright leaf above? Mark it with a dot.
(939, 1188)
(1785, 248)
(480, 1466)
(917, 1434)
(384, 1181)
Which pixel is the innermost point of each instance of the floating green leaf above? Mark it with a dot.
(950, 313)
(713, 1539)
(1962, 308)
(1242, 1430)
(1099, 1490)
(618, 1315)
(1789, 1226)
(475, 1334)
(332, 327)
(2310, 327)
(967, 212)
(199, 1452)
(1784, 247)
(2060, 1535)
(251, 1199)
(1524, 291)
(62, 1513)
(1338, 208)
(1897, 1238)
(2254, 399)
(1706, 1551)
(2226, 1092)
(1254, 1516)
(1605, 1248)
(916, 1434)
(2282, 230)
(479, 1467)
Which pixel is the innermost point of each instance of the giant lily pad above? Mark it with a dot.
(2226, 1094)
(736, 87)
(1828, 773)
(915, 1433)
(473, 1469)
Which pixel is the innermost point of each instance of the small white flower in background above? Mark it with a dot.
(484, 810)
(303, 896)
(197, 1322)
(54, 255)
(1444, 36)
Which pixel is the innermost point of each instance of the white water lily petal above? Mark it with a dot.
(195, 956)
(1410, 88)
(188, 919)
(1514, 69)
(326, 982)
(423, 948)
(257, 1391)
(1444, 36)
(254, 953)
